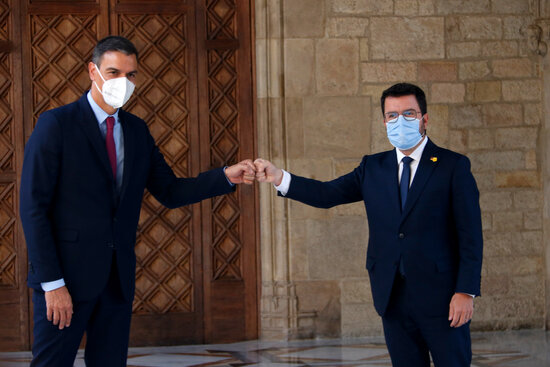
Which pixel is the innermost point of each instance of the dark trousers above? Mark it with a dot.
(106, 321)
(411, 337)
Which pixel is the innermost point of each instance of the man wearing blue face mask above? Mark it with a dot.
(85, 170)
(425, 241)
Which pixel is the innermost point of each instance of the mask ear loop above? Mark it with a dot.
(97, 86)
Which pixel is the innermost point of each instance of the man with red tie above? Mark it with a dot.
(86, 167)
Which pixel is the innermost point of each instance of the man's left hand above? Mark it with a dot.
(461, 309)
(242, 172)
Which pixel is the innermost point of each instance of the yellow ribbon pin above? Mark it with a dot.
(433, 159)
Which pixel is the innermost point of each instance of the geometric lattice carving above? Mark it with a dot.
(221, 19)
(224, 140)
(164, 248)
(7, 135)
(61, 47)
(8, 276)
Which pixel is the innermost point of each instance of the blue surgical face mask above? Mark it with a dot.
(404, 134)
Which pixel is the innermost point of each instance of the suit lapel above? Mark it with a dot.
(427, 164)
(389, 169)
(91, 129)
(129, 150)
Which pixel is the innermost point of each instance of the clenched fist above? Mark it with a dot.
(268, 172)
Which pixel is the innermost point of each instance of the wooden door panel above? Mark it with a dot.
(196, 274)
(227, 136)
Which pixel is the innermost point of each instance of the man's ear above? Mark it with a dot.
(91, 69)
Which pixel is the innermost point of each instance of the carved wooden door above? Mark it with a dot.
(196, 276)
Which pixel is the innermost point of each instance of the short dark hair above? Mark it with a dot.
(113, 43)
(405, 89)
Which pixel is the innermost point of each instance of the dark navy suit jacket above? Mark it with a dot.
(72, 215)
(438, 235)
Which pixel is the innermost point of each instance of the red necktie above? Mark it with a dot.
(110, 144)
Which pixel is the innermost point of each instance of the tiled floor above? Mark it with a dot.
(525, 348)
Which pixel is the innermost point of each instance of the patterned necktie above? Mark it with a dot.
(110, 144)
(405, 180)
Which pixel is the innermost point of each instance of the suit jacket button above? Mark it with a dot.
(401, 236)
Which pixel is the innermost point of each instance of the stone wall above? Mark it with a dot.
(321, 67)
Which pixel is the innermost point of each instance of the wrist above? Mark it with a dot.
(279, 177)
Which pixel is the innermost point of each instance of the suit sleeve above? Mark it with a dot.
(343, 190)
(39, 178)
(174, 192)
(467, 215)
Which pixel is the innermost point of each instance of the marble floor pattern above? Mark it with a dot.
(526, 348)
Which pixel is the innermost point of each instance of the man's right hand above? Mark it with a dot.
(267, 172)
(59, 307)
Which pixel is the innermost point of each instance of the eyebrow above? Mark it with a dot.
(118, 71)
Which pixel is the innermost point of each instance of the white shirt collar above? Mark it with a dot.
(416, 154)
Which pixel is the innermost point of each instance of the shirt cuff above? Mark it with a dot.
(231, 183)
(50, 286)
(285, 183)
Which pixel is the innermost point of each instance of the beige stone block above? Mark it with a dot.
(500, 49)
(498, 244)
(510, 6)
(465, 116)
(304, 18)
(508, 221)
(295, 127)
(463, 6)
(512, 68)
(337, 248)
(528, 199)
(494, 285)
(324, 299)
(362, 7)
(486, 221)
(407, 38)
(527, 286)
(359, 320)
(517, 179)
(462, 28)
(335, 127)
(440, 71)
(388, 72)
(457, 140)
(405, 7)
(364, 49)
(356, 291)
(336, 70)
(532, 113)
(375, 92)
(497, 161)
(521, 90)
(262, 75)
(348, 27)
(438, 124)
(447, 93)
(473, 70)
(502, 114)
(531, 243)
(299, 73)
(532, 220)
(514, 27)
(299, 262)
(495, 201)
(485, 180)
(480, 139)
(531, 161)
(516, 137)
(460, 50)
(514, 265)
(426, 7)
(488, 91)
(379, 141)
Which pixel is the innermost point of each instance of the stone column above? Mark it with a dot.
(278, 304)
(538, 36)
